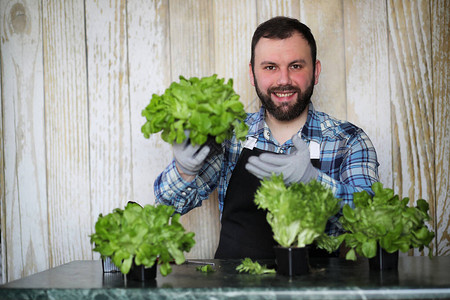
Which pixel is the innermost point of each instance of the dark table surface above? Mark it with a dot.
(330, 278)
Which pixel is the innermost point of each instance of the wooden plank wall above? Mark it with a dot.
(75, 76)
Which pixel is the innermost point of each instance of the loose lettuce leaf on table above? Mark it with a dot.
(253, 267)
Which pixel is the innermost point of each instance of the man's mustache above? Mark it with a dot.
(284, 88)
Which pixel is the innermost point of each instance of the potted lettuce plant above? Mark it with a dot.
(381, 225)
(297, 214)
(206, 107)
(138, 238)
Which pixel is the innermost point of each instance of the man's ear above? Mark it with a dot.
(317, 71)
(250, 71)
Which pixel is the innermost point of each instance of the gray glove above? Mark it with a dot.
(295, 167)
(189, 158)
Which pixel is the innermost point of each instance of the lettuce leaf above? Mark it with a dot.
(384, 220)
(298, 213)
(207, 107)
(253, 267)
(147, 235)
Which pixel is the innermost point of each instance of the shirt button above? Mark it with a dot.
(183, 193)
(281, 151)
(189, 189)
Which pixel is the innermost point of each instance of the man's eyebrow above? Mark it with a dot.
(267, 62)
(297, 61)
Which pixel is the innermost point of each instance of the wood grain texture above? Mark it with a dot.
(149, 73)
(440, 22)
(191, 38)
(77, 74)
(411, 94)
(234, 23)
(267, 9)
(109, 106)
(367, 76)
(24, 209)
(192, 41)
(326, 21)
(2, 187)
(67, 131)
(204, 221)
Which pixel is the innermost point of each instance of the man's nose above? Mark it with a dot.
(284, 77)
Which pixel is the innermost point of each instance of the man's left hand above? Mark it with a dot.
(295, 167)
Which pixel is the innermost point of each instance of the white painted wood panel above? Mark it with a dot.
(67, 131)
(326, 21)
(412, 99)
(191, 38)
(440, 22)
(149, 73)
(367, 76)
(77, 74)
(24, 209)
(192, 44)
(267, 9)
(2, 188)
(109, 106)
(234, 23)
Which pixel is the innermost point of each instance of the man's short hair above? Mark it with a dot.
(283, 28)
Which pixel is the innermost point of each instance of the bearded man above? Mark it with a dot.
(287, 136)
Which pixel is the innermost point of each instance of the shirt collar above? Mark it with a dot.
(312, 128)
(256, 123)
(310, 131)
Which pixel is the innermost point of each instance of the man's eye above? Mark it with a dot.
(270, 68)
(296, 67)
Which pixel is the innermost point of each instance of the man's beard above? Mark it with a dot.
(285, 111)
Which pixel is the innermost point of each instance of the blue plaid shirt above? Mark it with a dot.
(348, 163)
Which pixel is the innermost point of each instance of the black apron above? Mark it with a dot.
(245, 231)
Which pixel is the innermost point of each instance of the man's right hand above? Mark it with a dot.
(189, 158)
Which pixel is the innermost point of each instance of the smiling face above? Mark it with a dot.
(284, 75)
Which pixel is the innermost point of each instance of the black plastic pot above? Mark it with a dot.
(384, 260)
(108, 266)
(292, 261)
(141, 273)
(214, 147)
